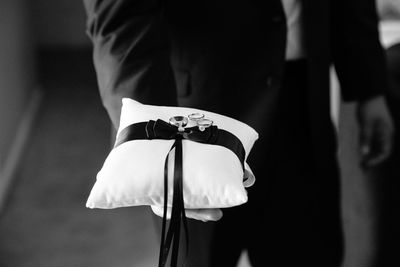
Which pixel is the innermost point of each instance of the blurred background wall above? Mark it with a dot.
(59, 23)
(18, 87)
(29, 32)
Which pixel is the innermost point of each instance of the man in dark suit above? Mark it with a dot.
(386, 182)
(267, 64)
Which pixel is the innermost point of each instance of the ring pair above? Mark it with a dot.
(181, 122)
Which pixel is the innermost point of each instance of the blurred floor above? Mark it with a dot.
(46, 223)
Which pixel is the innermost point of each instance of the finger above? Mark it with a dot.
(376, 160)
(197, 214)
(205, 214)
(365, 142)
(379, 156)
(380, 146)
(159, 211)
(365, 150)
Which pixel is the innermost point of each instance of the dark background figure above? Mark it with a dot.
(387, 177)
(230, 57)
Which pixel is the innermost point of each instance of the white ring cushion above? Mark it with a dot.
(133, 172)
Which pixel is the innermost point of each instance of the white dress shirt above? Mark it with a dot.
(389, 32)
(294, 21)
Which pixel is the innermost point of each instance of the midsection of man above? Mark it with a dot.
(248, 60)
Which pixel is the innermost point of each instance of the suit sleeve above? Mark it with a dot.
(357, 53)
(130, 53)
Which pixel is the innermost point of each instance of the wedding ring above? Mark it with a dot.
(204, 123)
(196, 116)
(179, 121)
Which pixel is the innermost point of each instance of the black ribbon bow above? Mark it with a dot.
(162, 130)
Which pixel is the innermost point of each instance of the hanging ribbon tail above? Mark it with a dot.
(162, 259)
(178, 211)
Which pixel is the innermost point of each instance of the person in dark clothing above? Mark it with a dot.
(386, 178)
(267, 64)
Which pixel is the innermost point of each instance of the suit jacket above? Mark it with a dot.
(228, 57)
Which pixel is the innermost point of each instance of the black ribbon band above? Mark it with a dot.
(162, 130)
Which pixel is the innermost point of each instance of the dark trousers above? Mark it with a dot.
(387, 177)
(292, 218)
